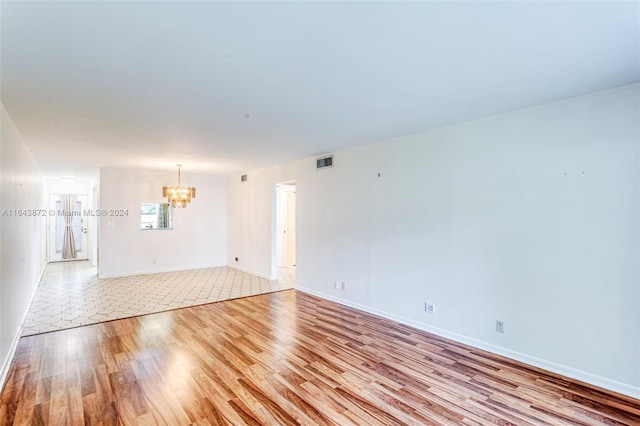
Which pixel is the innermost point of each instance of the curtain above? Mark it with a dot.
(76, 224)
(68, 240)
(165, 214)
(162, 216)
(160, 223)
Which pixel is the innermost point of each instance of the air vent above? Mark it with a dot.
(323, 162)
(243, 178)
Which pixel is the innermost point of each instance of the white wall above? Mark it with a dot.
(59, 186)
(22, 258)
(530, 217)
(198, 240)
(251, 219)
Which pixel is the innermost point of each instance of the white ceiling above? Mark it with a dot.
(224, 87)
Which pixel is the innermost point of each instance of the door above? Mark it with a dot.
(67, 227)
(290, 230)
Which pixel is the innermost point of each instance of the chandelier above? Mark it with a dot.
(179, 195)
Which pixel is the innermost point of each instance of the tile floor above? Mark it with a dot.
(71, 295)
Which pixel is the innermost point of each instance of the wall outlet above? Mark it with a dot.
(500, 326)
(153, 261)
(343, 285)
(336, 284)
(429, 308)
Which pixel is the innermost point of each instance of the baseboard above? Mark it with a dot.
(7, 362)
(33, 296)
(14, 344)
(564, 370)
(44, 267)
(33, 293)
(164, 270)
(249, 271)
(157, 271)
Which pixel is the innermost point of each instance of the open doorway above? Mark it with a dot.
(67, 227)
(285, 232)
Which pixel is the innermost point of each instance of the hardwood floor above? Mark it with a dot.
(283, 358)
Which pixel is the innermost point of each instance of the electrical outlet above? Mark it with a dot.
(153, 261)
(500, 326)
(336, 284)
(343, 285)
(429, 308)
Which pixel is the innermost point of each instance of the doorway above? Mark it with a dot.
(285, 231)
(290, 230)
(67, 227)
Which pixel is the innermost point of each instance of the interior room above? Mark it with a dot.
(320, 212)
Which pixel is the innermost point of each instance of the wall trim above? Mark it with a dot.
(14, 344)
(249, 271)
(564, 370)
(178, 269)
(4, 373)
(44, 267)
(158, 271)
(33, 296)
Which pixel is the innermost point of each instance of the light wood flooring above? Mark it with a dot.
(283, 358)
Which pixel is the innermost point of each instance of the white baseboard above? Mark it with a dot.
(14, 344)
(249, 271)
(564, 370)
(31, 298)
(44, 267)
(7, 362)
(157, 271)
(163, 270)
(178, 269)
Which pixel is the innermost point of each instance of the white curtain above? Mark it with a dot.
(160, 217)
(68, 240)
(76, 225)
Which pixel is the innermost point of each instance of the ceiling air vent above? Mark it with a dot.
(243, 178)
(323, 162)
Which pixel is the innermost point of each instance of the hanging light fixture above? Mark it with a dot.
(179, 195)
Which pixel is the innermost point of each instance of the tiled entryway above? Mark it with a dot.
(70, 293)
(287, 277)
